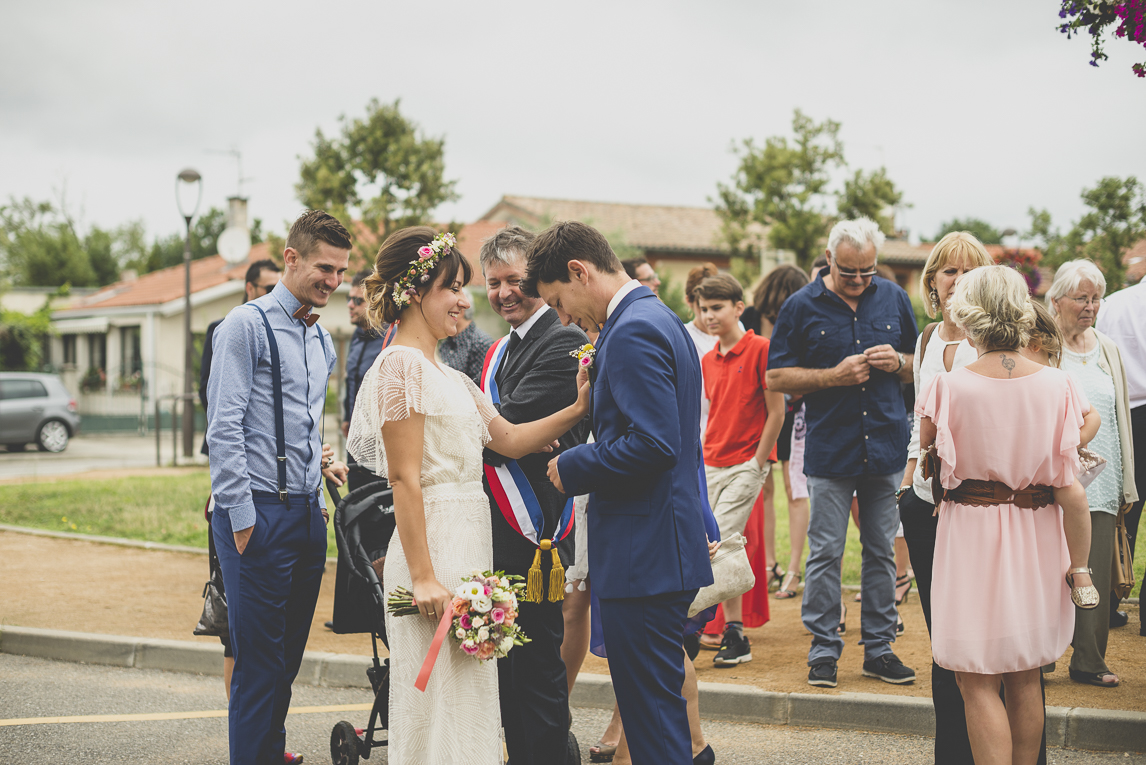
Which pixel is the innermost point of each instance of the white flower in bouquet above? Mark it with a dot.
(477, 621)
(460, 634)
(471, 590)
(506, 644)
(483, 634)
(482, 605)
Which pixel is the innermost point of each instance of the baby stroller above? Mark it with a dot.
(363, 525)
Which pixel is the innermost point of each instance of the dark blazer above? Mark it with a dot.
(646, 528)
(540, 378)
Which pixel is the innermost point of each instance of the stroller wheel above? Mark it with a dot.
(344, 744)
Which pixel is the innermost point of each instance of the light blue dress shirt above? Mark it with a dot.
(241, 412)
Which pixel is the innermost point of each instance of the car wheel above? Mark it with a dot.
(53, 436)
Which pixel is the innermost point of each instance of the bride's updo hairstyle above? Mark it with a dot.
(992, 305)
(393, 262)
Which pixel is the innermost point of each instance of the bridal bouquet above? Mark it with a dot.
(484, 613)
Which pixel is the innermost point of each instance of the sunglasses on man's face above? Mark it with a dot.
(356, 301)
(852, 273)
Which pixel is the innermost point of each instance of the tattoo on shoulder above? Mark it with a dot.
(1008, 364)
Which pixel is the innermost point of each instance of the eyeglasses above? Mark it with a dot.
(1083, 302)
(357, 301)
(650, 279)
(266, 288)
(852, 273)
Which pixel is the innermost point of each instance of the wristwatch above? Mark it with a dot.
(902, 361)
(900, 492)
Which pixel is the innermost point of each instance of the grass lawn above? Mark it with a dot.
(167, 509)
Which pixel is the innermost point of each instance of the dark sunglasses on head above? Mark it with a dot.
(355, 300)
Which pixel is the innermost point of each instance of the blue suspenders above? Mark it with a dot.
(277, 379)
(280, 428)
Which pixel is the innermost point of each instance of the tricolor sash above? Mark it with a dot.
(517, 500)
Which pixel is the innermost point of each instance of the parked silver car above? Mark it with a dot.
(36, 408)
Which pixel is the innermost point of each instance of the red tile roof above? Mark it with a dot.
(167, 284)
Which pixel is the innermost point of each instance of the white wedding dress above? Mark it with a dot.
(457, 719)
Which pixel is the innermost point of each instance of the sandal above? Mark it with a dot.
(602, 752)
(1094, 678)
(710, 642)
(788, 586)
(775, 576)
(905, 579)
(1086, 597)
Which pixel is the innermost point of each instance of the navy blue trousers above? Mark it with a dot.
(272, 589)
(646, 662)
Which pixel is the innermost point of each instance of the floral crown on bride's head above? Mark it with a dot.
(419, 271)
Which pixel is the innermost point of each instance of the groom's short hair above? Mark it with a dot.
(547, 259)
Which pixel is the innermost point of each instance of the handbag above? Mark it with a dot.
(731, 572)
(213, 622)
(1090, 465)
(1122, 574)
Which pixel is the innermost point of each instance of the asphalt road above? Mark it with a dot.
(35, 688)
(87, 453)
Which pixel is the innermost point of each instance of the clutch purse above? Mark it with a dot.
(1090, 465)
(732, 573)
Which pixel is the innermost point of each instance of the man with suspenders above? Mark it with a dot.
(266, 395)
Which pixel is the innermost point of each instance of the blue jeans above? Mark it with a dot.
(831, 500)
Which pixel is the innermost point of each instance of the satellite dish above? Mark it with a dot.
(235, 244)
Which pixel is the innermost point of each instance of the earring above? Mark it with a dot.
(934, 300)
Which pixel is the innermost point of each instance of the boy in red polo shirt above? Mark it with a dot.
(744, 420)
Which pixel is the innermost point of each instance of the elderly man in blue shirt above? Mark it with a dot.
(266, 395)
(845, 343)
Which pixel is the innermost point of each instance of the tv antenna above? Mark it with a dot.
(238, 157)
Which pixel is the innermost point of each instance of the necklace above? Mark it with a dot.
(1083, 355)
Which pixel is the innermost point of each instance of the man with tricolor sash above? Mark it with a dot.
(529, 374)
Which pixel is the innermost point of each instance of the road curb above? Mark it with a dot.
(1075, 728)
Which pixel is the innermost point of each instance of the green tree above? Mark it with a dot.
(782, 185)
(1115, 220)
(167, 251)
(39, 246)
(980, 229)
(870, 195)
(22, 338)
(379, 171)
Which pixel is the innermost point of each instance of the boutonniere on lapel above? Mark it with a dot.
(584, 355)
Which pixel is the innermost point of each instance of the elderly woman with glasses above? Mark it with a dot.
(1094, 361)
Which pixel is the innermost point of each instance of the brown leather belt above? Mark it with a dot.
(984, 493)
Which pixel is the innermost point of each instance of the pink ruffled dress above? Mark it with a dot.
(999, 599)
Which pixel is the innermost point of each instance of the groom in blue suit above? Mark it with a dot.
(648, 552)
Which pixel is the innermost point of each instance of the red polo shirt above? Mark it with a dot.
(734, 384)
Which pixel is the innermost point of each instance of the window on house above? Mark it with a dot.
(97, 351)
(130, 360)
(69, 343)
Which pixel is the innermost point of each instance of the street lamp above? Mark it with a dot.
(187, 181)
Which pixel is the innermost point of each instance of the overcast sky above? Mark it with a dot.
(976, 107)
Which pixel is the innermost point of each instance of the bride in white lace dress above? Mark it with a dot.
(422, 426)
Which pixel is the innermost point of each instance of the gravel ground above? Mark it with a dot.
(39, 688)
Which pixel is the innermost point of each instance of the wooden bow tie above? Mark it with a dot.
(305, 314)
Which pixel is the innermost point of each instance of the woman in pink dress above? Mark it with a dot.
(1013, 520)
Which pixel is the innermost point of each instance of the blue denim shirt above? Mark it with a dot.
(240, 403)
(854, 429)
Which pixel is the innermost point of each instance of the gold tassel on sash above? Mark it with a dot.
(556, 578)
(534, 584)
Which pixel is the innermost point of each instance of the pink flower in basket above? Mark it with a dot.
(470, 648)
(485, 650)
(497, 615)
(465, 621)
(425, 253)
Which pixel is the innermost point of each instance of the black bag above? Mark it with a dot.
(213, 622)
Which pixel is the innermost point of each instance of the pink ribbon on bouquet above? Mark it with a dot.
(435, 647)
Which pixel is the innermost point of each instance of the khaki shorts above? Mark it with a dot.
(731, 492)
